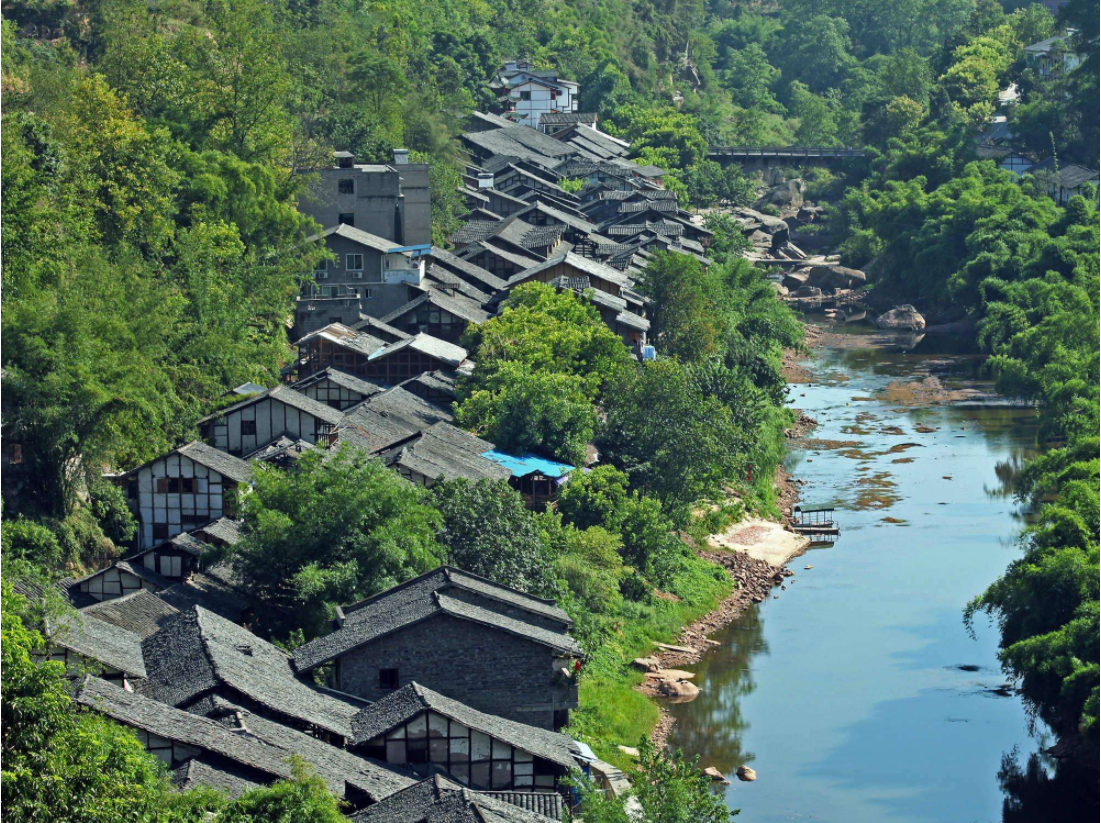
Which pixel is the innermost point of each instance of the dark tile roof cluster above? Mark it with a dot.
(439, 592)
(440, 800)
(207, 772)
(566, 118)
(339, 378)
(141, 613)
(197, 652)
(444, 452)
(407, 702)
(260, 747)
(98, 640)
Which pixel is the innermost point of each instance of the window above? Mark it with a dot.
(160, 531)
(365, 294)
(248, 427)
(347, 219)
(162, 485)
(525, 95)
(322, 270)
(387, 678)
(354, 262)
(346, 186)
(187, 485)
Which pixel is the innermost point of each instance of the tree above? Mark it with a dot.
(339, 528)
(669, 789)
(488, 531)
(690, 314)
(61, 765)
(304, 797)
(672, 440)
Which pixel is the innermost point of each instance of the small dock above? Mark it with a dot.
(816, 523)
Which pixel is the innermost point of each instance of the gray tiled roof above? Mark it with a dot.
(225, 464)
(467, 270)
(199, 772)
(197, 651)
(141, 612)
(560, 118)
(408, 701)
(445, 452)
(418, 599)
(348, 338)
(339, 378)
(208, 591)
(584, 265)
(441, 800)
(432, 381)
(136, 569)
(376, 328)
(359, 236)
(287, 396)
(260, 744)
(457, 305)
(98, 640)
(224, 530)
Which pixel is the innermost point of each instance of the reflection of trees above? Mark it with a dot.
(1007, 472)
(712, 725)
(1034, 793)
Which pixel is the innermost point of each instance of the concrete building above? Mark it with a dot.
(391, 201)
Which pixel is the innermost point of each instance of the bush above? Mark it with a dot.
(111, 510)
(25, 540)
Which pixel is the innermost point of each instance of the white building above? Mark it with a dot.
(527, 93)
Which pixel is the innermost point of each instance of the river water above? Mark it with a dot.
(858, 694)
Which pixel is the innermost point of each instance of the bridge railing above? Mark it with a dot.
(784, 151)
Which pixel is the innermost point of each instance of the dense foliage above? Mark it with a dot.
(60, 764)
(338, 528)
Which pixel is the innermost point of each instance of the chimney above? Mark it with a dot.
(345, 159)
(485, 180)
(401, 157)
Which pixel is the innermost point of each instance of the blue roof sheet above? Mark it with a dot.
(528, 463)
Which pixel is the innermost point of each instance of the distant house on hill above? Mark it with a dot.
(527, 94)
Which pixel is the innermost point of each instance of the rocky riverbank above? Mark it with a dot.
(754, 582)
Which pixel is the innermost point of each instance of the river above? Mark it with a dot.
(857, 694)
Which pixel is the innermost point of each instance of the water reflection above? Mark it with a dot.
(1042, 790)
(717, 726)
(862, 698)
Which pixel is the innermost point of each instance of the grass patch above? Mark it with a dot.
(611, 712)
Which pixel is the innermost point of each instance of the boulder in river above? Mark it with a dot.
(901, 318)
(836, 277)
(680, 690)
(808, 291)
(647, 664)
(745, 773)
(795, 279)
(715, 774)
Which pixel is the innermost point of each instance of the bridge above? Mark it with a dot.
(764, 157)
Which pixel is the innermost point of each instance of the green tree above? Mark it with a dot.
(488, 531)
(339, 528)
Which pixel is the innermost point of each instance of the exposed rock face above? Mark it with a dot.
(795, 280)
(745, 773)
(647, 664)
(901, 318)
(836, 277)
(762, 228)
(808, 291)
(786, 196)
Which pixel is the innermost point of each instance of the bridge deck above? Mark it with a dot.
(782, 151)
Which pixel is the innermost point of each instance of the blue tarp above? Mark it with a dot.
(528, 463)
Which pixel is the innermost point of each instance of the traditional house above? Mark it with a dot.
(493, 648)
(82, 642)
(440, 800)
(367, 357)
(553, 122)
(141, 613)
(438, 314)
(527, 93)
(538, 479)
(244, 749)
(442, 452)
(197, 656)
(336, 388)
(1063, 182)
(1053, 57)
(422, 730)
(182, 490)
(120, 579)
(246, 426)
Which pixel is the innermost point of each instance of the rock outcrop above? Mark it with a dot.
(901, 318)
